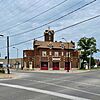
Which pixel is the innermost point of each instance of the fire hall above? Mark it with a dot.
(51, 55)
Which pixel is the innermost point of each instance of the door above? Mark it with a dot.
(44, 65)
(67, 65)
(55, 65)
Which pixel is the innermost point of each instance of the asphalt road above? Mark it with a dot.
(51, 86)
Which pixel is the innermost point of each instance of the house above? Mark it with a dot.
(50, 54)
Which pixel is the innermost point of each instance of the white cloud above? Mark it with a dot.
(13, 12)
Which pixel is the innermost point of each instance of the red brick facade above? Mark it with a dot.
(28, 58)
(49, 55)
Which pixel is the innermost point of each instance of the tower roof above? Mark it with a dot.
(48, 44)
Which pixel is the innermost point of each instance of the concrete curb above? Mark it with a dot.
(52, 71)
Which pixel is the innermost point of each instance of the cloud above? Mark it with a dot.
(17, 11)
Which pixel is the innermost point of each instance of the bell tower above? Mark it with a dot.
(49, 35)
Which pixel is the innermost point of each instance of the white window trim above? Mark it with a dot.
(67, 54)
(44, 53)
(50, 53)
(25, 54)
(62, 53)
(56, 54)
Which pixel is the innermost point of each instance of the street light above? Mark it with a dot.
(1, 35)
(68, 56)
(7, 54)
(17, 51)
(17, 62)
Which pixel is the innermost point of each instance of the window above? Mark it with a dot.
(56, 54)
(24, 54)
(67, 54)
(49, 38)
(50, 53)
(44, 53)
(62, 53)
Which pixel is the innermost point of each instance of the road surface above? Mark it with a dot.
(51, 86)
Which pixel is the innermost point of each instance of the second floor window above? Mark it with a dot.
(62, 53)
(24, 54)
(50, 53)
(49, 38)
(44, 54)
(67, 54)
(56, 54)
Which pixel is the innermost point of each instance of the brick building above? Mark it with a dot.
(50, 55)
(28, 59)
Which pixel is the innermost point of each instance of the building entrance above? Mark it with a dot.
(67, 65)
(44, 65)
(55, 65)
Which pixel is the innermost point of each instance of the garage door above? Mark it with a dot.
(44, 65)
(55, 65)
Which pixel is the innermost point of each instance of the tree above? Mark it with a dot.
(87, 47)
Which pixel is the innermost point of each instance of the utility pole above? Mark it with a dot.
(8, 55)
(8, 71)
(90, 58)
(68, 59)
(68, 68)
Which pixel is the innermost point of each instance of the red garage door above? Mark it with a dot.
(44, 65)
(55, 65)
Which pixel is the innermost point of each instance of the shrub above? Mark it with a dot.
(2, 71)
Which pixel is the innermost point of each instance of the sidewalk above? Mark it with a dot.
(6, 76)
(71, 71)
(55, 71)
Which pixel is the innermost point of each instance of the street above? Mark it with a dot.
(51, 86)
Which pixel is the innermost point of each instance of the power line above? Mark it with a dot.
(67, 9)
(35, 16)
(31, 5)
(22, 42)
(23, 11)
(57, 30)
(77, 23)
(76, 4)
(61, 29)
(70, 26)
(46, 10)
(53, 20)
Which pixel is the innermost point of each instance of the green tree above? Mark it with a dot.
(87, 47)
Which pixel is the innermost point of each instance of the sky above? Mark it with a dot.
(20, 16)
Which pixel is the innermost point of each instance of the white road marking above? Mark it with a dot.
(78, 83)
(66, 79)
(4, 79)
(65, 87)
(44, 92)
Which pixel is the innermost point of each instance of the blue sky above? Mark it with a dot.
(15, 12)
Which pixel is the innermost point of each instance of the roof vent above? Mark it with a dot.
(46, 30)
(73, 42)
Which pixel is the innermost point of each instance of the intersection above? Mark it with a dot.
(51, 86)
